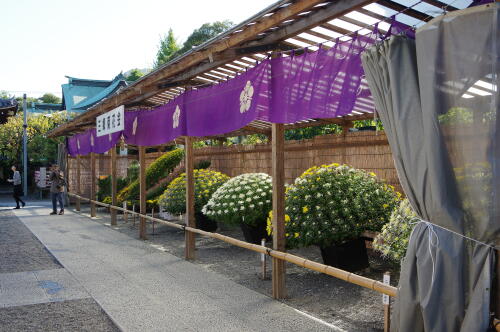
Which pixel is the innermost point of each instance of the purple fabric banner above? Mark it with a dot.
(229, 105)
(326, 83)
(87, 142)
(158, 126)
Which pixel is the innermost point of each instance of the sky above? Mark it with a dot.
(43, 41)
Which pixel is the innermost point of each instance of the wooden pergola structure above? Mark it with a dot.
(285, 25)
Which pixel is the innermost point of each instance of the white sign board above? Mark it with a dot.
(42, 181)
(387, 281)
(111, 122)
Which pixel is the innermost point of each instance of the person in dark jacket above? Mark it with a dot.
(56, 189)
(18, 188)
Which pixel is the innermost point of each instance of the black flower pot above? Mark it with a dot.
(350, 256)
(254, 234)
(204, 223)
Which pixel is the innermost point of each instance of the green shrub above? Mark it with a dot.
(206, 182)
(243, 199)
(104, 185)
(133, 171)
(332, 204)
(161, 167)
(392, 242)
(155, 193)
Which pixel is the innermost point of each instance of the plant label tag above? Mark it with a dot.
(263, 256)
(387, 281)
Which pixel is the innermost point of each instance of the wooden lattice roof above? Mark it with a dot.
(285, 25)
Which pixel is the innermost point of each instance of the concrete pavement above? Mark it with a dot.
(141, 288)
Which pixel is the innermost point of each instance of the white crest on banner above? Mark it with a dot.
(110, 137)
(246, 97)
(78, 143)
(176, 116)
(134, 126)
(91, 140)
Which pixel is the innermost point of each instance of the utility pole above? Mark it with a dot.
(25, 146)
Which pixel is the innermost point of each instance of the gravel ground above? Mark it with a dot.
(345, 305)
(76, 315)
(20, 249)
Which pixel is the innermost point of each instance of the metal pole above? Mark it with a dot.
(25, 146)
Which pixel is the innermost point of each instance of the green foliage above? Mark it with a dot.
(392, 242)
(243, 199)
(332, 204)
(202, 34)
(134, 75)
(159, 168)
(41, 150)
(167, 49)
(206, 182)
(49, 98)
(155, 193)
(368, 123)
(133, 171)
(104, 185)
(456, 115)
(310, 132)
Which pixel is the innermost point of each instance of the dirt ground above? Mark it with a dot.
(345, 305)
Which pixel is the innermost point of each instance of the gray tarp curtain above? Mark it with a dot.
(438, 102)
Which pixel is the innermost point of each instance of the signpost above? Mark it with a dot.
(111, 122)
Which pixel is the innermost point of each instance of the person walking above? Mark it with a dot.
(56, 189)
(18, 189)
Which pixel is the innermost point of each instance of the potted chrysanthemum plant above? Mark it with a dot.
(331, 206)
(243, 200)
(206, 182)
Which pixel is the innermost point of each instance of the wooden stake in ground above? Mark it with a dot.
(278, 160)
(387, 304)
(113, 184)
(142, 191)
(92, 184)
(190, 221)
(78, 182)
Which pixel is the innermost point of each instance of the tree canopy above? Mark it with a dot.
(133, 75)
(205, 32)
(169, 48)
(49, 98)
(41, 150)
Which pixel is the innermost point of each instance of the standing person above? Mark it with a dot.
(56, 189)
(18, 189)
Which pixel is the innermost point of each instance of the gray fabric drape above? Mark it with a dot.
(443, 135)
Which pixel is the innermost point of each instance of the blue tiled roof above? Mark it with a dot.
(80, 94)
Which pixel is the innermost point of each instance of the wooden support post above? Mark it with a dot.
(190, 240)
(92, 184)
(142, 191)
(113, 184)
(278, 161)
(78, 182)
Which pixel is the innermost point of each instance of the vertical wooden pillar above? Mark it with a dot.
(142, 191)
(78, 181)
(190, 240)
(93, 178)
(113, 184)
(278, 161)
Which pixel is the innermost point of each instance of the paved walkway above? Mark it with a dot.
(143, 289)
(36, 292)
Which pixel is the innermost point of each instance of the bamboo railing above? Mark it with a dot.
(297, 260)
